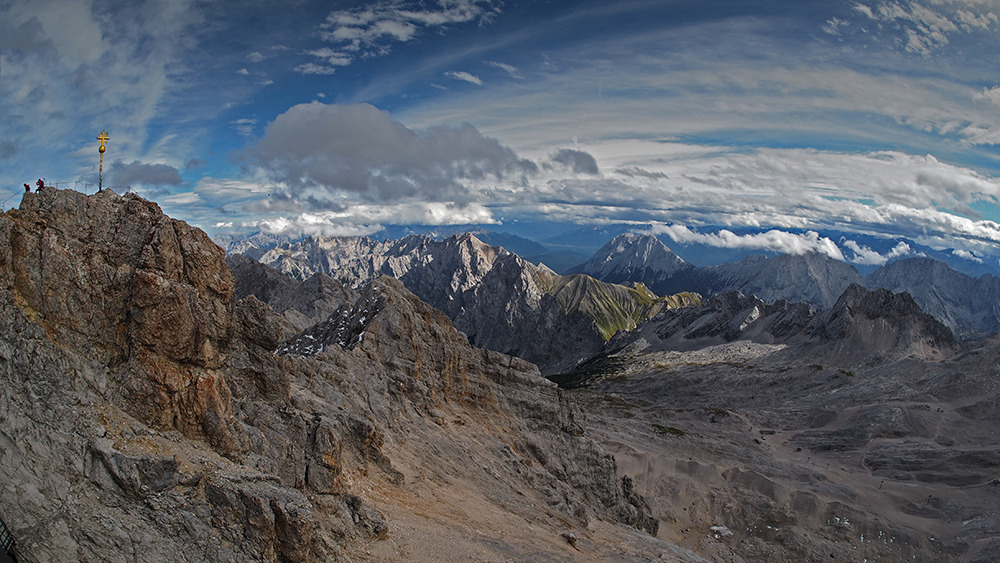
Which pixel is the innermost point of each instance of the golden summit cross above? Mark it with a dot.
(103, 138)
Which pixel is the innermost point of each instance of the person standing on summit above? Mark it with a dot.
(39, 183)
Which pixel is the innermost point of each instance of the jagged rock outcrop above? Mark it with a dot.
(429, 363)
(128, 367)
(883, 324)
(862, 326)
(969, 306)
(300, 303)
(115, 280)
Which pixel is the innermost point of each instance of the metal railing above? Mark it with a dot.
(6, 539)
(14, 550)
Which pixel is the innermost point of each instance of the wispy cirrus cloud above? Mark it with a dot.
(75, 65)
(509, 69)
(372, 30)
(464, 77)
(927, 27)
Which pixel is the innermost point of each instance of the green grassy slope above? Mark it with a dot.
(613, 307)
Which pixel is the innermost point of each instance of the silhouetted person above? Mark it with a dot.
(27, 188)
(39, 183)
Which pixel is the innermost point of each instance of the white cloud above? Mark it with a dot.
(371, 30)
(927, 27)
(324, 153)
(773, 240)
(245, 126)
(464, 76)
(255, 57)
(367, 219)
(864, 10)
(509, 69)
(965, 254)
(833, 26)
(311, 225)
(867, 256)
(991, 95)
(243, 71)
(224, 191)
(331, 57)
(313, 68)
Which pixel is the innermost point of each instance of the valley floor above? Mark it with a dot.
(746, 453)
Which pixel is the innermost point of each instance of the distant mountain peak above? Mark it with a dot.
(631, 257)
(891, 324)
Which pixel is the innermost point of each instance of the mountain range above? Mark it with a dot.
(966, 305)
(161, 400)
(787, 368)
(499, 300)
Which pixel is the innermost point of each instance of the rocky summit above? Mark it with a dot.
(146, 416)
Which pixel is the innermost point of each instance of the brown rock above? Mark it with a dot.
(115, 279)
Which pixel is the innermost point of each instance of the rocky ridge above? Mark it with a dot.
(145, 416)
(498, 300)
(300, 303)
(966, 305)
(863, 327)
(969, 306)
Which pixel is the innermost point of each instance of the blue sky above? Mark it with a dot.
(342, 117)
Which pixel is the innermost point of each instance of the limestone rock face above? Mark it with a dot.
(115, 279)
(145, 416)
(630, 258)
(435, 372)
(883, 323)
(862, 326)
(490, 294)
(969, 306)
